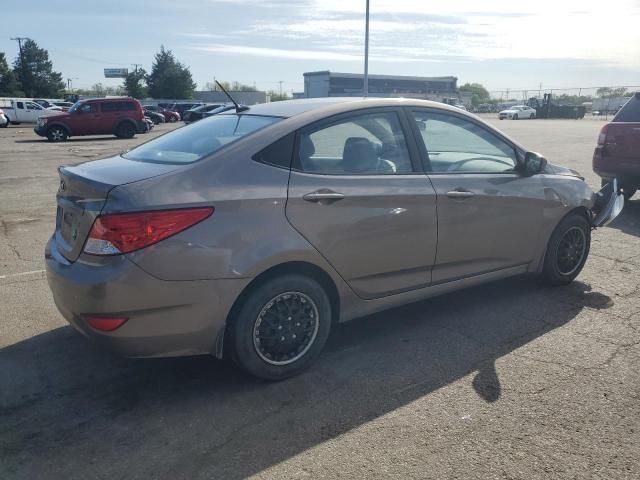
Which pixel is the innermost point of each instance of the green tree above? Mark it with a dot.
(479, 94)
(234, 86)
(8, 83)
(169, 78)
(276, 97)
(36, 77)
(136, 84)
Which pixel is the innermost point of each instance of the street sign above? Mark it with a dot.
(116, 72)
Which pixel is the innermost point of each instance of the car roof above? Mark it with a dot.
(291, 108)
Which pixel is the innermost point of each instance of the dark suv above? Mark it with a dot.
(121, 116)
(617, 154)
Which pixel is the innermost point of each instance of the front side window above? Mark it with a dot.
(192, 143)
(365, 144)
(88, 108)
(454, 145)
(33, 106)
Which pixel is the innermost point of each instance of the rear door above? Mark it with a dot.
(360, 198)
(111, 112)
(489, 216)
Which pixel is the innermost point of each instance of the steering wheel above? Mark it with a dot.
(385, 166)
(455, 167)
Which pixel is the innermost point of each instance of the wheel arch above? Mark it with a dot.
(121, 122)
(581, 211)
(294, 267)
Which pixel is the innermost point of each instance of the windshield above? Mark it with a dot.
(189, 144)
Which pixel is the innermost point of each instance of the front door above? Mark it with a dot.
(490, 217)
(356, 196)
(33, 111)
(83, 121)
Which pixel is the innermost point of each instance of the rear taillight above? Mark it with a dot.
(119, 233)
(602, 138)
(106, 324)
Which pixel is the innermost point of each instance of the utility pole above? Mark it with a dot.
(136, 65)
(365, 89)
(70, 83)
(24, 68)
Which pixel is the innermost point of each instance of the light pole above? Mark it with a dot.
(366, 53)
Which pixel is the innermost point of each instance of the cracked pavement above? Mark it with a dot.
(509, 380)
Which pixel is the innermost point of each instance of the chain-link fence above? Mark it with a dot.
(598, 101)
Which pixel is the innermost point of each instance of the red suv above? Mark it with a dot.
(617, 154)
(122, 117)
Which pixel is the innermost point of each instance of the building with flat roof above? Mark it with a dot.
(333, 84)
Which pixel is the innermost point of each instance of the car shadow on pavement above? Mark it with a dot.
(73, 140)
(70, 410)
(629, 219)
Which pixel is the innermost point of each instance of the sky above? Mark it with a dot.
(502, 44)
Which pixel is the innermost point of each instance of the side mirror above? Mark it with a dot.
(534, 163)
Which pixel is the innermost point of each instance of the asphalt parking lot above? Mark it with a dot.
(508, 380)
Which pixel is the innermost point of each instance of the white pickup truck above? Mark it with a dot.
(21, 110)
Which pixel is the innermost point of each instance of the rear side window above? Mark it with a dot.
(118, 106)
(630, 112)
(278, 154)
(194, 142)
(361, 144)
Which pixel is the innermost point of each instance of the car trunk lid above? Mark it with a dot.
(83, 191)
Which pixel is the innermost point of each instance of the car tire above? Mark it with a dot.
(126, 130)
(515, 117)
(567, 250)
(257, 350)
(532, 116)
(173, 119)
(57, 134)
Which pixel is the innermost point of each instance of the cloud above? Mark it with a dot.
(297, 54)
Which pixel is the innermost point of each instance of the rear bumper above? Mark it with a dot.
(142, 126)
(166, 318)
(627, 171)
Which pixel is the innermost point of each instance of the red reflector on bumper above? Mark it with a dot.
(106, 324)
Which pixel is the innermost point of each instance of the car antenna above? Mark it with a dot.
(239, 108)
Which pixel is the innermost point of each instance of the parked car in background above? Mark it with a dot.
(23, 111)
(169, 115)
(120, 116)
(48, 104)
(223, 108)
(251, 233)
(4, 121)
(181, 108)
(198, 113)
(617, 154)
(65, 106)
(156, 117)
(517, 112)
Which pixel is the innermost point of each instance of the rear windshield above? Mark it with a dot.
(196, 141)
(630, 112)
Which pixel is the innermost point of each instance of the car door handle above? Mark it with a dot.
(323, 196)
(460, 194)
